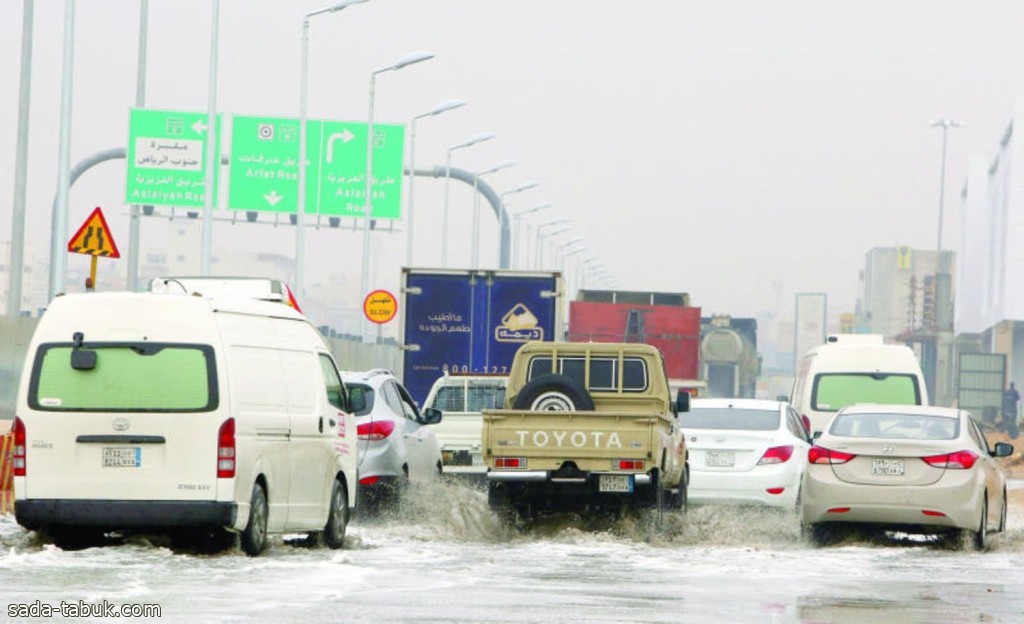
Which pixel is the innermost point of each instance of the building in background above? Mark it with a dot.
(990, 301)
(906, 295)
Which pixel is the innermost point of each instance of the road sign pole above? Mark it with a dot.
(212, 141)
(134, 221)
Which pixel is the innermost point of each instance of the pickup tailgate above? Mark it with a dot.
(546, 440)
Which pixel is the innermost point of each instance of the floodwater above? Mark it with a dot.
(444, 557)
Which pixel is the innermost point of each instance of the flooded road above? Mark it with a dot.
(444, 557)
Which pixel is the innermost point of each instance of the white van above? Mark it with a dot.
(461, 398)
(184, 415)
(855, 368)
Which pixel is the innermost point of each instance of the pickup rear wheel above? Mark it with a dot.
(553, 393)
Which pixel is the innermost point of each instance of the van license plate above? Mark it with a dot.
(121, 457)
(615, 483)
(887, 467)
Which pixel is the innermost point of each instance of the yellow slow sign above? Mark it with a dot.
(380, 306)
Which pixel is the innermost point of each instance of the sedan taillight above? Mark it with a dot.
(822, 455)
(776, 455)
(376, 430)
(960, 460)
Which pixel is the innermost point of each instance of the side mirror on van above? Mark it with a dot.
(682, 402)
(430, 416)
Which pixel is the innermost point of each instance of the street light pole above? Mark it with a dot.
(300, 208)
(473, 140)
(405, 61)
(505, 164)
(945, 124)
(515, 238)
(503, 220)
(442, 107)
(542, 237)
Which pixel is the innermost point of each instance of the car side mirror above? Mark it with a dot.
(682, 402)
(430, 416)
(817, 434)
(1003, 449)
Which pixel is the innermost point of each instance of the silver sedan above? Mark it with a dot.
(906, 468)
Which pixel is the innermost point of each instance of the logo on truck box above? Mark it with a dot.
(518, 325)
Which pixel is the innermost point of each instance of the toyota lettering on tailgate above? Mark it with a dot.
(576, 439)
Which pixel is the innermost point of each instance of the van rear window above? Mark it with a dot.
(834, 391)
(127, 377)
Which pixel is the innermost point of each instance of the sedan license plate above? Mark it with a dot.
(121, 457)
(615, 483)
(720, 459)
(887, 467)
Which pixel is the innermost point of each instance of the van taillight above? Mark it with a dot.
(376, 430)
(226, 450)
(18, 459)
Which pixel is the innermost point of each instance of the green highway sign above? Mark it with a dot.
(167, 158)
(264, 172)
(342, 157)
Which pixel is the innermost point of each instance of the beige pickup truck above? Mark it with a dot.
(586, 426)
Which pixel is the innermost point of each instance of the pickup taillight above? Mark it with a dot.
(510, 462)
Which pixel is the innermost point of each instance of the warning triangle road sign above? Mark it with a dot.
(94, 238)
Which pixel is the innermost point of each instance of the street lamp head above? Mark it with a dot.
(555, 221)
(334, 8)
(572, 241)
(944, 123)
(556, 231)
(525, 186)
(409, 59)
(540, 206)
(447, 105)
(505, 164)
(479, 137)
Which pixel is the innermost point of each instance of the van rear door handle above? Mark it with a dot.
(321, 424)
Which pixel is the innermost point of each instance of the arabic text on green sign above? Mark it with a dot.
(263, 174)
(167, 158)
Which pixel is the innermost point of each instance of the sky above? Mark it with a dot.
(742, 151)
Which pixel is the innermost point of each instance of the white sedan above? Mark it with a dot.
(744, 451)
(906, 468)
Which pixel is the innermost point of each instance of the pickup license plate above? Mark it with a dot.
(887, 467)
(720, 459)
(130, 457)
(615, 483)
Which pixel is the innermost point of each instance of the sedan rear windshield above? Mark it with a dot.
(125, 377)
(834, 391)
(730, 418)
(899, 426)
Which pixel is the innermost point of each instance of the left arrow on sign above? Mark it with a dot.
(199, 127)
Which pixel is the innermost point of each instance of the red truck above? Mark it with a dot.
(664, 320)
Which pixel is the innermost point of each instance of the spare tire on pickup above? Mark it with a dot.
(553, 393)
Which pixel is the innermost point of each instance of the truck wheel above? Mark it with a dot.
(553, 393)
(254, 536)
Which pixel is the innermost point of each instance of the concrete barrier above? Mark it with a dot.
(6, 473)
